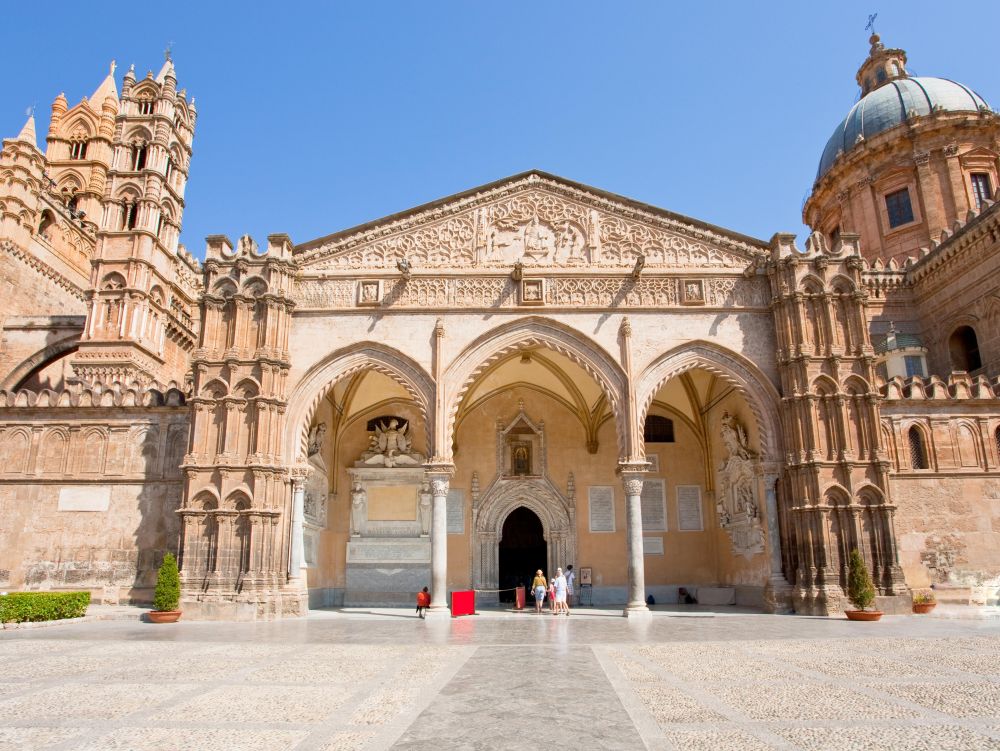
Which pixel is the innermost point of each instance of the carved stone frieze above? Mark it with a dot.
(537, 222)
(501, 292)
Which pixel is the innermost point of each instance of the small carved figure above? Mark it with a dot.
(316, 437)
(425, 509)
(538, 241)
(358, 509)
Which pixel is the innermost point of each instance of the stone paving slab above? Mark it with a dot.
(333, 682)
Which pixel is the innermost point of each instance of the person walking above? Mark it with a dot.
(552, 596)
(423, 601)
(560, 594)
(538, 588)
(570, 579)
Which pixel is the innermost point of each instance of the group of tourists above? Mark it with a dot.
(558, 590)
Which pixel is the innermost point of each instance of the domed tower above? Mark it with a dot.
(911, 158)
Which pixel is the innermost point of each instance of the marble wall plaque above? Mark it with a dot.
(601, 503)
(654, 463)
(392, 502)
(456, 512)
(654, 505)
(85, 498)
(652, 546)
(689, 517)
(389, 551)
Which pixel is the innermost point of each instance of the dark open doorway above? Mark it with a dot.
(522, 551)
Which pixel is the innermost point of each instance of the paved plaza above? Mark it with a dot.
(385, 679)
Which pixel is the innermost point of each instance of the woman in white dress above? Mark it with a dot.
(561, 606)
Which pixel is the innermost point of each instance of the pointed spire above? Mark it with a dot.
(166, 70)
(27, 133)
(130, 75)
(107, 88)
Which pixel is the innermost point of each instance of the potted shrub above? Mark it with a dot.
(860, 590)
(923, 602)
(168, 592)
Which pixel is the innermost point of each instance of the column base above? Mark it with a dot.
(440, 613)
(639, 613)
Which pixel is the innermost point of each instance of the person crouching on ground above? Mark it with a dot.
(423, 601)
(538, 588)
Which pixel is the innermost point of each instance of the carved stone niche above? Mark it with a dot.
(738, 500)
(521, 447)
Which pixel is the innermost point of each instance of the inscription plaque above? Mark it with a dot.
(85, 498)
(456, 512)
(652, 546)
(654, 505)
(601, 503)
(689, 517)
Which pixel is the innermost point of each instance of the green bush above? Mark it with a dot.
(18, 607)
(168, 585)
(860, 589)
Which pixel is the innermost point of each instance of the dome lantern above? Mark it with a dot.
(881, 66)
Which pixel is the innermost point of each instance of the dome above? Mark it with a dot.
(890, 105)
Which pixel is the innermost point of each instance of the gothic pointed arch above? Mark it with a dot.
(499, 343)
(761, 395)
(322, 376)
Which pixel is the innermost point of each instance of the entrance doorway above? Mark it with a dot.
(522, 551)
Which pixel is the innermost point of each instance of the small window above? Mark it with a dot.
(658, 430)
(835, 236)
(139, 157)
(981, 188)
(72, 204)
(145, 106)
(918, 452)
(46, 224)
(78, 150)
(964, 347)
(996, 440)
(914, 365)
(880, 76)
(898, 205)
(882, 371)
(129, 211)
(169, 171)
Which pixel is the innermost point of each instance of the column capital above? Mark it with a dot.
(439, 469)
(633, 468)
(298, 476)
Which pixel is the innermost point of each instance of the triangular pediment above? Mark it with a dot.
(535, 219)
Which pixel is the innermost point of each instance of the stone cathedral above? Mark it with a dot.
(529, 374)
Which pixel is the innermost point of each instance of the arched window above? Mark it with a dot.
(964, 347)
(658, 430)
(146, 106)
(996, 439)
(78, 150)
(130, 211)
(72, 204)
(169, 171)
(139, 157)
(918, 452)
(45, 225)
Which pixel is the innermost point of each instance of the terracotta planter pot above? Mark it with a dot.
(164, 616)
(863, 615)
(923, 607)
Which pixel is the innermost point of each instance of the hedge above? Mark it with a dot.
(19, 607)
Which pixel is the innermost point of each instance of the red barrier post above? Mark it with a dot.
(519, 598)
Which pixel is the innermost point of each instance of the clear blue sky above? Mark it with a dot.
(316, 118)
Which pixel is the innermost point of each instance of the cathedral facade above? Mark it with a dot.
(529, 374)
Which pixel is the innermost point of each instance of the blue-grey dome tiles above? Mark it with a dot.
(890, 105)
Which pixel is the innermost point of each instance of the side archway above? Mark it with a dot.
(761, 395)
(319, 379)
(505, 340)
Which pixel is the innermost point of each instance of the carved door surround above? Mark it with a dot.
(505, 494)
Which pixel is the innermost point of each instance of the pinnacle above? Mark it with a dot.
(27, 133)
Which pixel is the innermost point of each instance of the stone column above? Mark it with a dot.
(778, 589)
(439, 478)
(631, 474)
(296, 557)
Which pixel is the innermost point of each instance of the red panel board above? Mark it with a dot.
(463, 603)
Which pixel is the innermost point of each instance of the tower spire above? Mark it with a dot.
(27, 133)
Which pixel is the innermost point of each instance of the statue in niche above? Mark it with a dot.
(359, 509)
(520, 459)
(539, 241)
(737, 475)
(425, 508)
(390, 446)
(317, 487)
(569, 245)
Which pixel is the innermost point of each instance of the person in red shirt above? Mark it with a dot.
(423, 601)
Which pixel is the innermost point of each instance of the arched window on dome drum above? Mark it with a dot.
(658, 430)
(918, 452)
(899, 208)
(964, 347)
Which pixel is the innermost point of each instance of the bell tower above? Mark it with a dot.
(140, 324)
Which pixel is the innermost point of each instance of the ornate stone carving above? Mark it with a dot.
(359, 509)
(737, 504)
(390, 446)
(439, 488)
(424, 509)
(536, 222)
(632, 486)
(317, 488)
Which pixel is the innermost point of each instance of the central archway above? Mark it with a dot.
(556, 513)
(522, 551)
